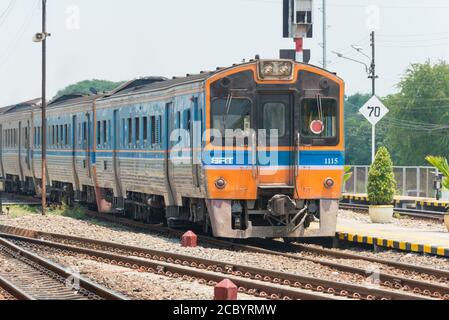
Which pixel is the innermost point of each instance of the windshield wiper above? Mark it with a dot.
(228, 108)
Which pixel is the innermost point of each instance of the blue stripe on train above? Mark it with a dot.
(229, 158)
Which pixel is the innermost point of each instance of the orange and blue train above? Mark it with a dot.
(255, 150)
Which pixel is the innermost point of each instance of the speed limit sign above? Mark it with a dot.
(374, 110)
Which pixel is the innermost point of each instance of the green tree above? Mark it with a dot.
(357, 131)
(417, 123)
(84, 87)
(381, 182)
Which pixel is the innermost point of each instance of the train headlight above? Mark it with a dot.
(285, 69)
(220, 183)
(329, 183)
(275, 70)
(268, 69)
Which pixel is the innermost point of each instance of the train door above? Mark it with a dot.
(74, 142)
(275, 116)
(195, 143)
(87, 144)
(19, 146)
(28, 145)
(115, 154)
(168, 145)
(1, 152)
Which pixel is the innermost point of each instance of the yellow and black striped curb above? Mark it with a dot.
(391, 244)
(397, 201)
(438, 204)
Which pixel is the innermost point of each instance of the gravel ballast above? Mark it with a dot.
(106, 231)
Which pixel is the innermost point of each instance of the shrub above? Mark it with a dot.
(381, 182)
(442, 165)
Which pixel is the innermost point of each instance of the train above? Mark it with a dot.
(254, 150)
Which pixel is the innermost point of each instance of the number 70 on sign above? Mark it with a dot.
(374, 110)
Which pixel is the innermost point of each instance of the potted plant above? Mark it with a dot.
(442, 165)
(381, 188)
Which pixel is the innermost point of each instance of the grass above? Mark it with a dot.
(18, 211)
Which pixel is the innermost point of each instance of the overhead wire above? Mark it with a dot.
(24, 26)
(4, 15)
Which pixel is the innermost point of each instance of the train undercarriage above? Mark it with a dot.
(271, 216)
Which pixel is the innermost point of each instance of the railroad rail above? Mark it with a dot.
(251, 280)
(279, 248)
(413, 213)
(36, 278)
(275, 247)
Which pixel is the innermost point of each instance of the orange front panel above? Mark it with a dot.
(240, 184)
(269, 176)
(311, 184)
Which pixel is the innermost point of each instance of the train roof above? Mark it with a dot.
(156, 83)
(136, 86)
(71, 99)
(26, 105)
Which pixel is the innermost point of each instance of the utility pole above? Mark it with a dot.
(373, 75)
(324, 35)
(44, 107)
(373, 78)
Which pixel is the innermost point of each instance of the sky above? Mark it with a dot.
(121, 40)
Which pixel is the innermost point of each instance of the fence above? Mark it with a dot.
(411, 181)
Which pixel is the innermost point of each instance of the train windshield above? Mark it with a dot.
(319, 118)
(231, 116)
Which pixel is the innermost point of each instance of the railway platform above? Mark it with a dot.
(392, 236)
(403, 202)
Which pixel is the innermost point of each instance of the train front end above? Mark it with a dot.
(274, 151)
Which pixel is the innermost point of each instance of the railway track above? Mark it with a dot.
(27, 276)
(253, 281)
(273, 247)
(413, 213)
(279, 248)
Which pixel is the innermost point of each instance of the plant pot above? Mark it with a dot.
(446, 221)
(381, 214)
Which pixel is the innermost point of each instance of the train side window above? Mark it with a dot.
(60, 135)
(26, 137)
(66, 134)
(123, 133)
(61, 138)
(69, 135)
(159, 130)
(153, 130)
(137, 131)
(105, 132)
(80, 134)
(130, 131)
(145, 130)
(52, 137)
(85, 134)
(109, 133)
(98, 133)
(188, 121)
